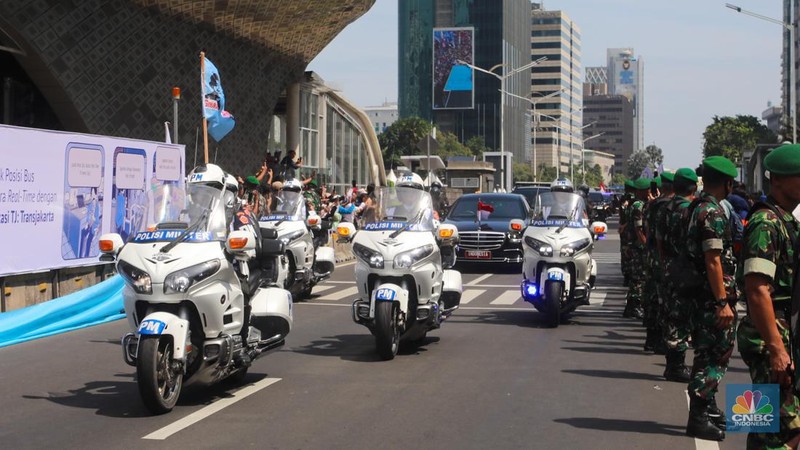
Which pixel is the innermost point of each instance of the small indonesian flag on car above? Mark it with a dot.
(484, 209)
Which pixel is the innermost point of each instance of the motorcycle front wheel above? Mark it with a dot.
(552, 298)
(159, 380)
(387, 334)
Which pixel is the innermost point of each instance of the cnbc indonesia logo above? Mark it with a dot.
(752, 409)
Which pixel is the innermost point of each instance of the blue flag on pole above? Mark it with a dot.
(647, 172)
(220, 122)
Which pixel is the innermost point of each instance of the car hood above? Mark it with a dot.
(484, 225)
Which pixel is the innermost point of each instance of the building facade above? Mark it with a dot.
(500, 36)
(557, 120)
(773, 115)
(605, 160)
(626, 77)
(611, 115)
(382, 116)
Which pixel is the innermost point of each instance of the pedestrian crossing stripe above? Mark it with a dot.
(339, 295)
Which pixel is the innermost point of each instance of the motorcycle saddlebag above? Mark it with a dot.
(272, 312)
(324, 260)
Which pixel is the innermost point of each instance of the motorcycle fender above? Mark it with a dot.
(325, 260)
(556, 274)
(594, 268)
(388, 292)
(451, 281)
(272, 306)
(163, 323)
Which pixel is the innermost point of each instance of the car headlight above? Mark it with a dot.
(287, 238)
(137, 278)
(407, 259)
(575, 247)
(514, 237)
(369, 256)
(542, 248)
(180, 281)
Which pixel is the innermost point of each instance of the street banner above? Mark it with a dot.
(60, 191)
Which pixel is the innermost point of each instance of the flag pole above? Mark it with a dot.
(202, 106)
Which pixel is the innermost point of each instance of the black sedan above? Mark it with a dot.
(483, 226)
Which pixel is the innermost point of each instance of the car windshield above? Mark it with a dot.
(597, 197)
(530, 192)
(171, 211)
(558, 208)
(287, 205)
(490, 207)
(397, 207)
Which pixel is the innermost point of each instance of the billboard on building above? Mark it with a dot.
(59, 192)
(453, 86)
(625, 69)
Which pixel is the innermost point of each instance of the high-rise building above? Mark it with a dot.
(773, 115)
(434, 35)
(611, 115)
(382, 116)
(791, 14)
(557, 120)
(595, 81)
(626, 77)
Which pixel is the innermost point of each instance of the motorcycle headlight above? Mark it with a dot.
(575, 247)
(137, 278)
(542, 248)
(287, 238)
(369, 256)
(514, 237)
(407, 259)
(180, 281)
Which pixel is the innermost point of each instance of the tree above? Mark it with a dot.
(523, 172)
(731, 136)
(546, 173)
(654, 155)
(477, 146)
(636, 164)
(617, 179)
(401, 138)
(449, 146)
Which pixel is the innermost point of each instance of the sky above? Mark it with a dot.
(701, 59)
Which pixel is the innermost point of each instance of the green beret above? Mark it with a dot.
(629, 184)
(313, 183)
(784, 160)
(720, 164)
(669, 177)
(641, 184)
(687, 174)
(252, 180)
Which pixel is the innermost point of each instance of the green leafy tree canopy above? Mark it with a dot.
(401, 138)
(731, 136)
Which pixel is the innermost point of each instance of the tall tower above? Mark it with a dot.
(558, 119)
(790, 15)
(626, 77)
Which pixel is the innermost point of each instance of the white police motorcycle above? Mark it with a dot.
(558, 270)
(303, 265)
(405, 284)
(187, 284)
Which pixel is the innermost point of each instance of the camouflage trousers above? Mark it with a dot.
(636, 278)
(624, 259)
(755, 355)
(712, 349)
(676, 313)
(650, 302)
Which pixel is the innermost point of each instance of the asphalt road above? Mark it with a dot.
(494, 376)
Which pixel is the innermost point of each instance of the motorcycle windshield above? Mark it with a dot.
(287, 205)
(399, 207)
(200, 209)
(555, 209)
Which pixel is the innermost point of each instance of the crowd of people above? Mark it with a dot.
(705, 252)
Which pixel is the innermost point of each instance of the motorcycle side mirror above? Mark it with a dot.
(598, 229)
(447, 234)
(313, 222)
(346, 232)
(517, 225)
(110, 244)
(239, 243)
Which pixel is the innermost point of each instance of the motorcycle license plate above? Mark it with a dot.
(555, 276)
(477, 254)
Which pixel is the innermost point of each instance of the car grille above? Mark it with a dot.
(481, 240)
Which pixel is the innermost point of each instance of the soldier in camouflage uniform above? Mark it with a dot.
(636, 252)
(709, 245)
(767, 279)
(627, 201)
(652, 300)
(672, 221)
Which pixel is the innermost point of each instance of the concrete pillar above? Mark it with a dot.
(293, 117)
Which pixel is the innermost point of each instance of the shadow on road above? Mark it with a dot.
(615, 374)
(629, 426)
(358, 347)
(527, 319)
(621, 351)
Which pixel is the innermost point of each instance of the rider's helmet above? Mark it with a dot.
(411, 180)
(561, 185)
(293, 185)
(231, 198)
(210, 175)
(584, 188)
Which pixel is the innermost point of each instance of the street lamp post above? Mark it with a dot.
(558, 141)
(583, 153)
(502, 79)
(792, 28)
(533, 104)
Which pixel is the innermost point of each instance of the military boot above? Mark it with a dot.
(676, 370)
(699, 426)
(716, 415)
(650, 340)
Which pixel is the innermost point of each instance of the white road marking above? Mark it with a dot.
(341, 282)
(349, 292)
(485, 308)
(218, 405)
(597, 298)
(478, 280)
(701, 444)
(470, 295)
(322, 288)
(507, 298)
(346, 305)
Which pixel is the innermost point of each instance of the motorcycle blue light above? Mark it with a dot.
(529, 290)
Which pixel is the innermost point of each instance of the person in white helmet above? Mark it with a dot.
(409, 201)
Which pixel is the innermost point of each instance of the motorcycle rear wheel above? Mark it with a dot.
(159, 381)
(552, 297)
(387, 333)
